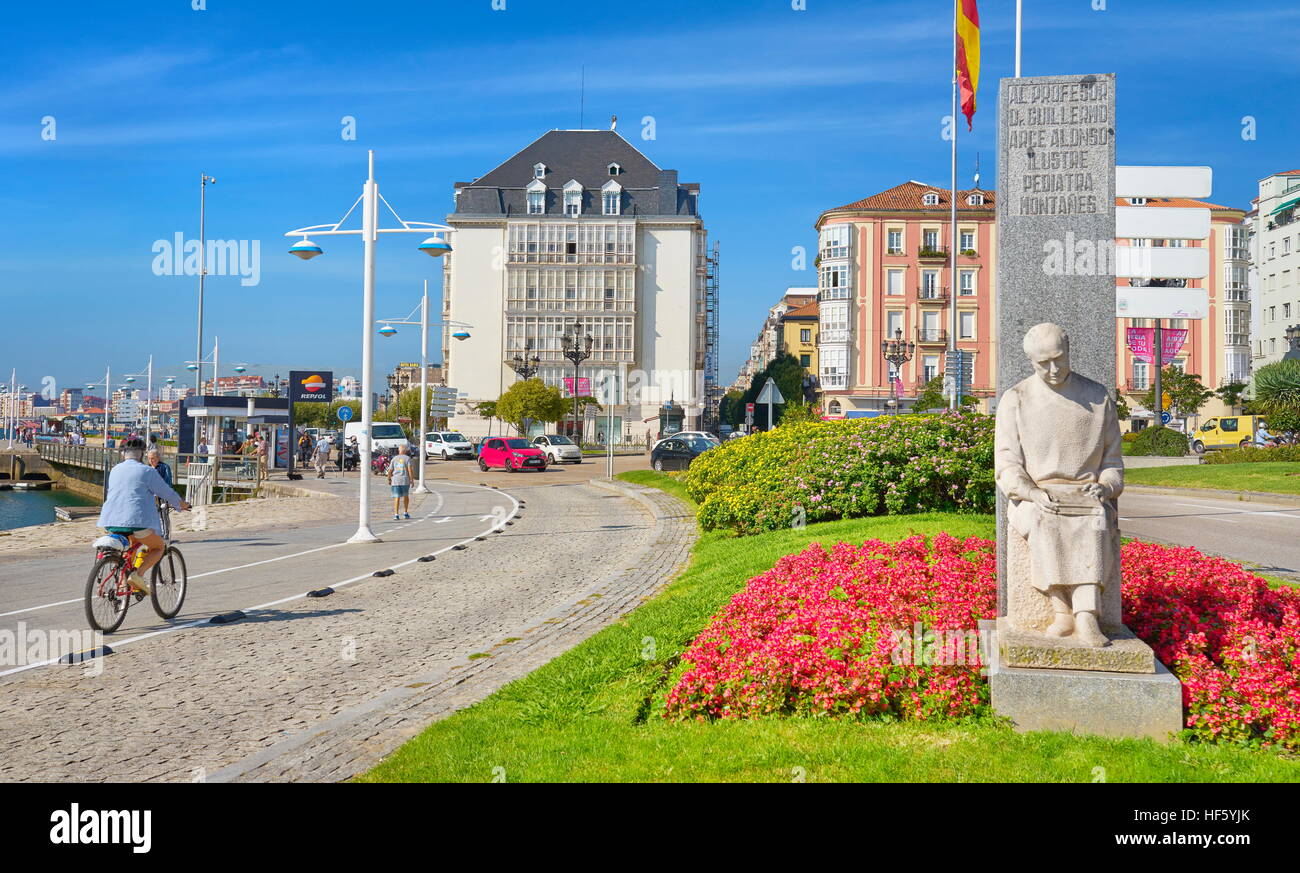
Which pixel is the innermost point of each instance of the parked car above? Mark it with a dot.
(447, 444)
(693, 434)
(558, 448)
(1226, 433)
(512, 454)
(678, 451)
(384, 435)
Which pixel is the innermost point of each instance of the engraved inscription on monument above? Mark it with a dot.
(1057, 134)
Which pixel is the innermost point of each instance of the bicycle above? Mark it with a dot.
(109, 595)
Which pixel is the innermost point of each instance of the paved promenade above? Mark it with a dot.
(321, 689)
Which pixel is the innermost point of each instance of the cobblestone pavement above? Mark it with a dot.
(322, 689)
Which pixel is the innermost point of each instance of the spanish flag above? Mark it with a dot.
(968, 56)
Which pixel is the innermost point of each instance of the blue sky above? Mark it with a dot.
(777, 113)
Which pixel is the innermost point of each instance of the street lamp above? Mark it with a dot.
(204, 182)
(526, 367)
(896, 352)
(576, 350)
(108, 398)
(369, 232)
(388, 330)
(148, 396)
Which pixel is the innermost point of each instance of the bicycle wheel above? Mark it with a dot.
(105, 608)
(168, 583)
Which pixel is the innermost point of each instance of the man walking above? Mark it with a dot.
(322, 455)
(399, 477)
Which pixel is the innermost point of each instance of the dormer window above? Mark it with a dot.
(976, 199)
(536, 197)
(539, 171)
(930, 199)
(611, 197)
(615, 169)
(573, 197)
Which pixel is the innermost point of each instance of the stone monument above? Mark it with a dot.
(1063, 659)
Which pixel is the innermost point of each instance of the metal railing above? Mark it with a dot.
(937, 294)
(931, 335)
(222, 473)
(90, 457)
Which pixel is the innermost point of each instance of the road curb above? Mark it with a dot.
(1244, 496)
(636, 493)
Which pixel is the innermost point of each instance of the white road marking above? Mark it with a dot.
(117, 644)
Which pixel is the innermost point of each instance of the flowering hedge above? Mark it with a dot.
(815, 635)
(887, 629)
(823, 470)
(1233, 641)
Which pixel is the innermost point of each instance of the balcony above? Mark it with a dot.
(1234, 253)
(1136, 387)
(932, 253)
(929, 336)
(932, 295)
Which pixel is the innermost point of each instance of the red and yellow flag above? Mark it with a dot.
(968, 56)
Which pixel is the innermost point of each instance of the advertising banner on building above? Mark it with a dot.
(584, 386)
(1142, 343)
(311, 386)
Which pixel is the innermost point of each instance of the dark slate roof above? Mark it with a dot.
(584, 155)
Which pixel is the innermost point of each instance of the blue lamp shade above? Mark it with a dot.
(171, 380)
(387, 330)
(241, 369)
(305, 249)
(435, 247)
(461, 335)
(191, 366)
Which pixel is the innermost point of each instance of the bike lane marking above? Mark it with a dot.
(117, 644)
(441, 501)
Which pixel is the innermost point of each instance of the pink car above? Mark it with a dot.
(511, 453)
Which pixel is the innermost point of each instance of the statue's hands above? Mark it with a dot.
(1045, 501)
(1096, 489)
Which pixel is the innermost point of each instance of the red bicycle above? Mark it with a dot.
(109, 595)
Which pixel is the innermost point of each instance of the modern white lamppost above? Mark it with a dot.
(388, 330)
(434, 246)
(148, 395)
(204, 182)
(108, 398)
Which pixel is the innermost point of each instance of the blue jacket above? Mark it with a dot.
(132, 487)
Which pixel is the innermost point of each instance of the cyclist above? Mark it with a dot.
(129, 509)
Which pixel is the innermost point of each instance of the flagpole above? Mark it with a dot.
(1018, 11)
(954, 377)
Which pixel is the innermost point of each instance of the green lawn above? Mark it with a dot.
(593, 714)
(1282, 477)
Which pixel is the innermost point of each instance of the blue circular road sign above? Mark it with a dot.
(345, 413)
(1165, 418)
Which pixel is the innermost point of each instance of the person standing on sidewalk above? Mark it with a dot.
(399, 477)
(322, 455)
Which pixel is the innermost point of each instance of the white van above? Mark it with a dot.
(385, 435)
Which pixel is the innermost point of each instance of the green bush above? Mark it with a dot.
(1129, 436)
(1239, 456)
(1162, 441)
(816, 471)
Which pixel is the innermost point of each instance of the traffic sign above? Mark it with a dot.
(770, 393)
(1193, 182)
(1161, 303)
(1165, 417)
(749, 409)
(345, 414)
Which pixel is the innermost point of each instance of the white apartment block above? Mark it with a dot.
(1276, 256)
(578, 227)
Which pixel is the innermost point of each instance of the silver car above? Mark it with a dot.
(558, 448)
(447, 444)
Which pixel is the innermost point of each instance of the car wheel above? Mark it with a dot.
(542, 469)
(444, 455)
(579, 461)
(658, 465)
(1198, 447)
(482, 466)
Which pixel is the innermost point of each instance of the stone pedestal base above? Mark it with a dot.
(1107, 704)
(1125, 653)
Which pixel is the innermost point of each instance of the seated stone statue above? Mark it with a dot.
(1058, 461)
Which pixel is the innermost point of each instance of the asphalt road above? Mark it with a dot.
(247, 570)
(1266, 535)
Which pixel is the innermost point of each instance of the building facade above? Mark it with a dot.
(798, 335)
(1217, 347)
(885, 271)
(1276, 254)
(767, 344)
(579, 227)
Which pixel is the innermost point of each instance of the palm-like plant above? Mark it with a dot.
(1277, 387)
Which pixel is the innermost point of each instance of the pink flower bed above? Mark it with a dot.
(1233, 641)
(887, 629)
(815, 635)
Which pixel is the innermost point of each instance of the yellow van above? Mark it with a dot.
(1226, 433)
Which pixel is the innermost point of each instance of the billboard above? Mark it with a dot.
(584, 386)
(311, 386)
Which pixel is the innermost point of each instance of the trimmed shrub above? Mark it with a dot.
(1240, 456)
(1160, 441)
(816, 471)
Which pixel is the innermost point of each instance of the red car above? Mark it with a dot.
(512, 453)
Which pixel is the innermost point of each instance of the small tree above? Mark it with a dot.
(1186, 392)
(796, 412)
(932, 396)
(1121, 406)
(533, 399)
(1231, 394)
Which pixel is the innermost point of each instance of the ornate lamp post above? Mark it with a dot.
(526, 367)
(576, 349)
(896, 352)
